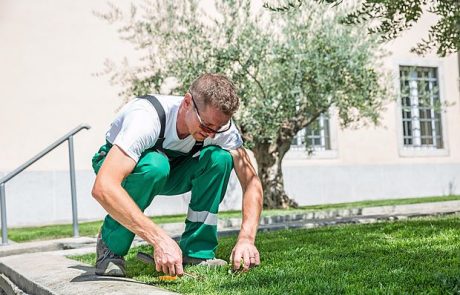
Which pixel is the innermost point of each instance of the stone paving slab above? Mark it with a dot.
(47, 274)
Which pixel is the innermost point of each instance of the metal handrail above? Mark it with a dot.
(67, 137)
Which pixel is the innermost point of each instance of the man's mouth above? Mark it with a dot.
(200, 136)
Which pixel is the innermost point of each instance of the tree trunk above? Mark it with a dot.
(269, 158)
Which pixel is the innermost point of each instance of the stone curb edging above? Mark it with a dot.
(276, 219)
(22, 283)
(330, 222)
(421, 208)
(8, 287)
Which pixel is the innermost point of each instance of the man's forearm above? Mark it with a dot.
(252, 207)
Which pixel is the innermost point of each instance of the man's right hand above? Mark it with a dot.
(168, 256)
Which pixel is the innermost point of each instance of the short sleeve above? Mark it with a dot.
(139, 131)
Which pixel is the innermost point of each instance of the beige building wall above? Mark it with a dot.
(49, 53)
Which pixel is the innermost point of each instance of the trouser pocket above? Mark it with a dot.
(99, 157)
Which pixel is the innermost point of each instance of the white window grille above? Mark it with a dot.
(420, 103)
(315, 137)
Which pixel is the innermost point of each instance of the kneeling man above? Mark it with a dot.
(159, 145)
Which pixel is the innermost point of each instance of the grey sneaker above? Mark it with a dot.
(108, 263)
(203, 262)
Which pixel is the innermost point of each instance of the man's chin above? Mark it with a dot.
(198, 137)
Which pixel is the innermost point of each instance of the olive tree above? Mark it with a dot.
(289, 68)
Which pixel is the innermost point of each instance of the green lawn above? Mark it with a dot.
(420, 256)
(25, 234)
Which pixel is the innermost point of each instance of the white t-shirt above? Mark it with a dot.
(137, 128)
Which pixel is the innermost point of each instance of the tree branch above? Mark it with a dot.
(253, 77)
(300, 122)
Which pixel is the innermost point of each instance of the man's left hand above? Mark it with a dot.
(244, 251)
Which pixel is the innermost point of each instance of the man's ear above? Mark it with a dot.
(188, 100)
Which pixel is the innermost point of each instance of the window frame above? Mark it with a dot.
(299, 151)
(419, 151)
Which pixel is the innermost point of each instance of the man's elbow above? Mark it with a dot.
(100, 190)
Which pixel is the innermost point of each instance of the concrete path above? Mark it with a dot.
(42, 268)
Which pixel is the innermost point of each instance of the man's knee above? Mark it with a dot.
(217, 158)
(153, 166)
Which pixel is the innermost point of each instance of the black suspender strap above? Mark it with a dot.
(197, 147)
(161, 115)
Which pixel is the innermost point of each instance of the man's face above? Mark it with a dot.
(205, 121)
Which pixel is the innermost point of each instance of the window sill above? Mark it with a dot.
(300, 153)
(423, 152)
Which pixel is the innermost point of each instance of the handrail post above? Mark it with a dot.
(3, 212)
(73, 189)
(3, 180)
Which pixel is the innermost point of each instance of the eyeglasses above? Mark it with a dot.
(206, 128)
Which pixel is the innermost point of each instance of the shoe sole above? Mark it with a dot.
(112, 270)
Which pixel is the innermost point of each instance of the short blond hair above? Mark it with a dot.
(216, 90)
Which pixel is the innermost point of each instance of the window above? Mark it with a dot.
(316, 135)
(420, 104)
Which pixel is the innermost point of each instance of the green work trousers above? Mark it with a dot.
(206, 176)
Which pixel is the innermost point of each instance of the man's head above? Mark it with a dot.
(210, 104)
(215, 90)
